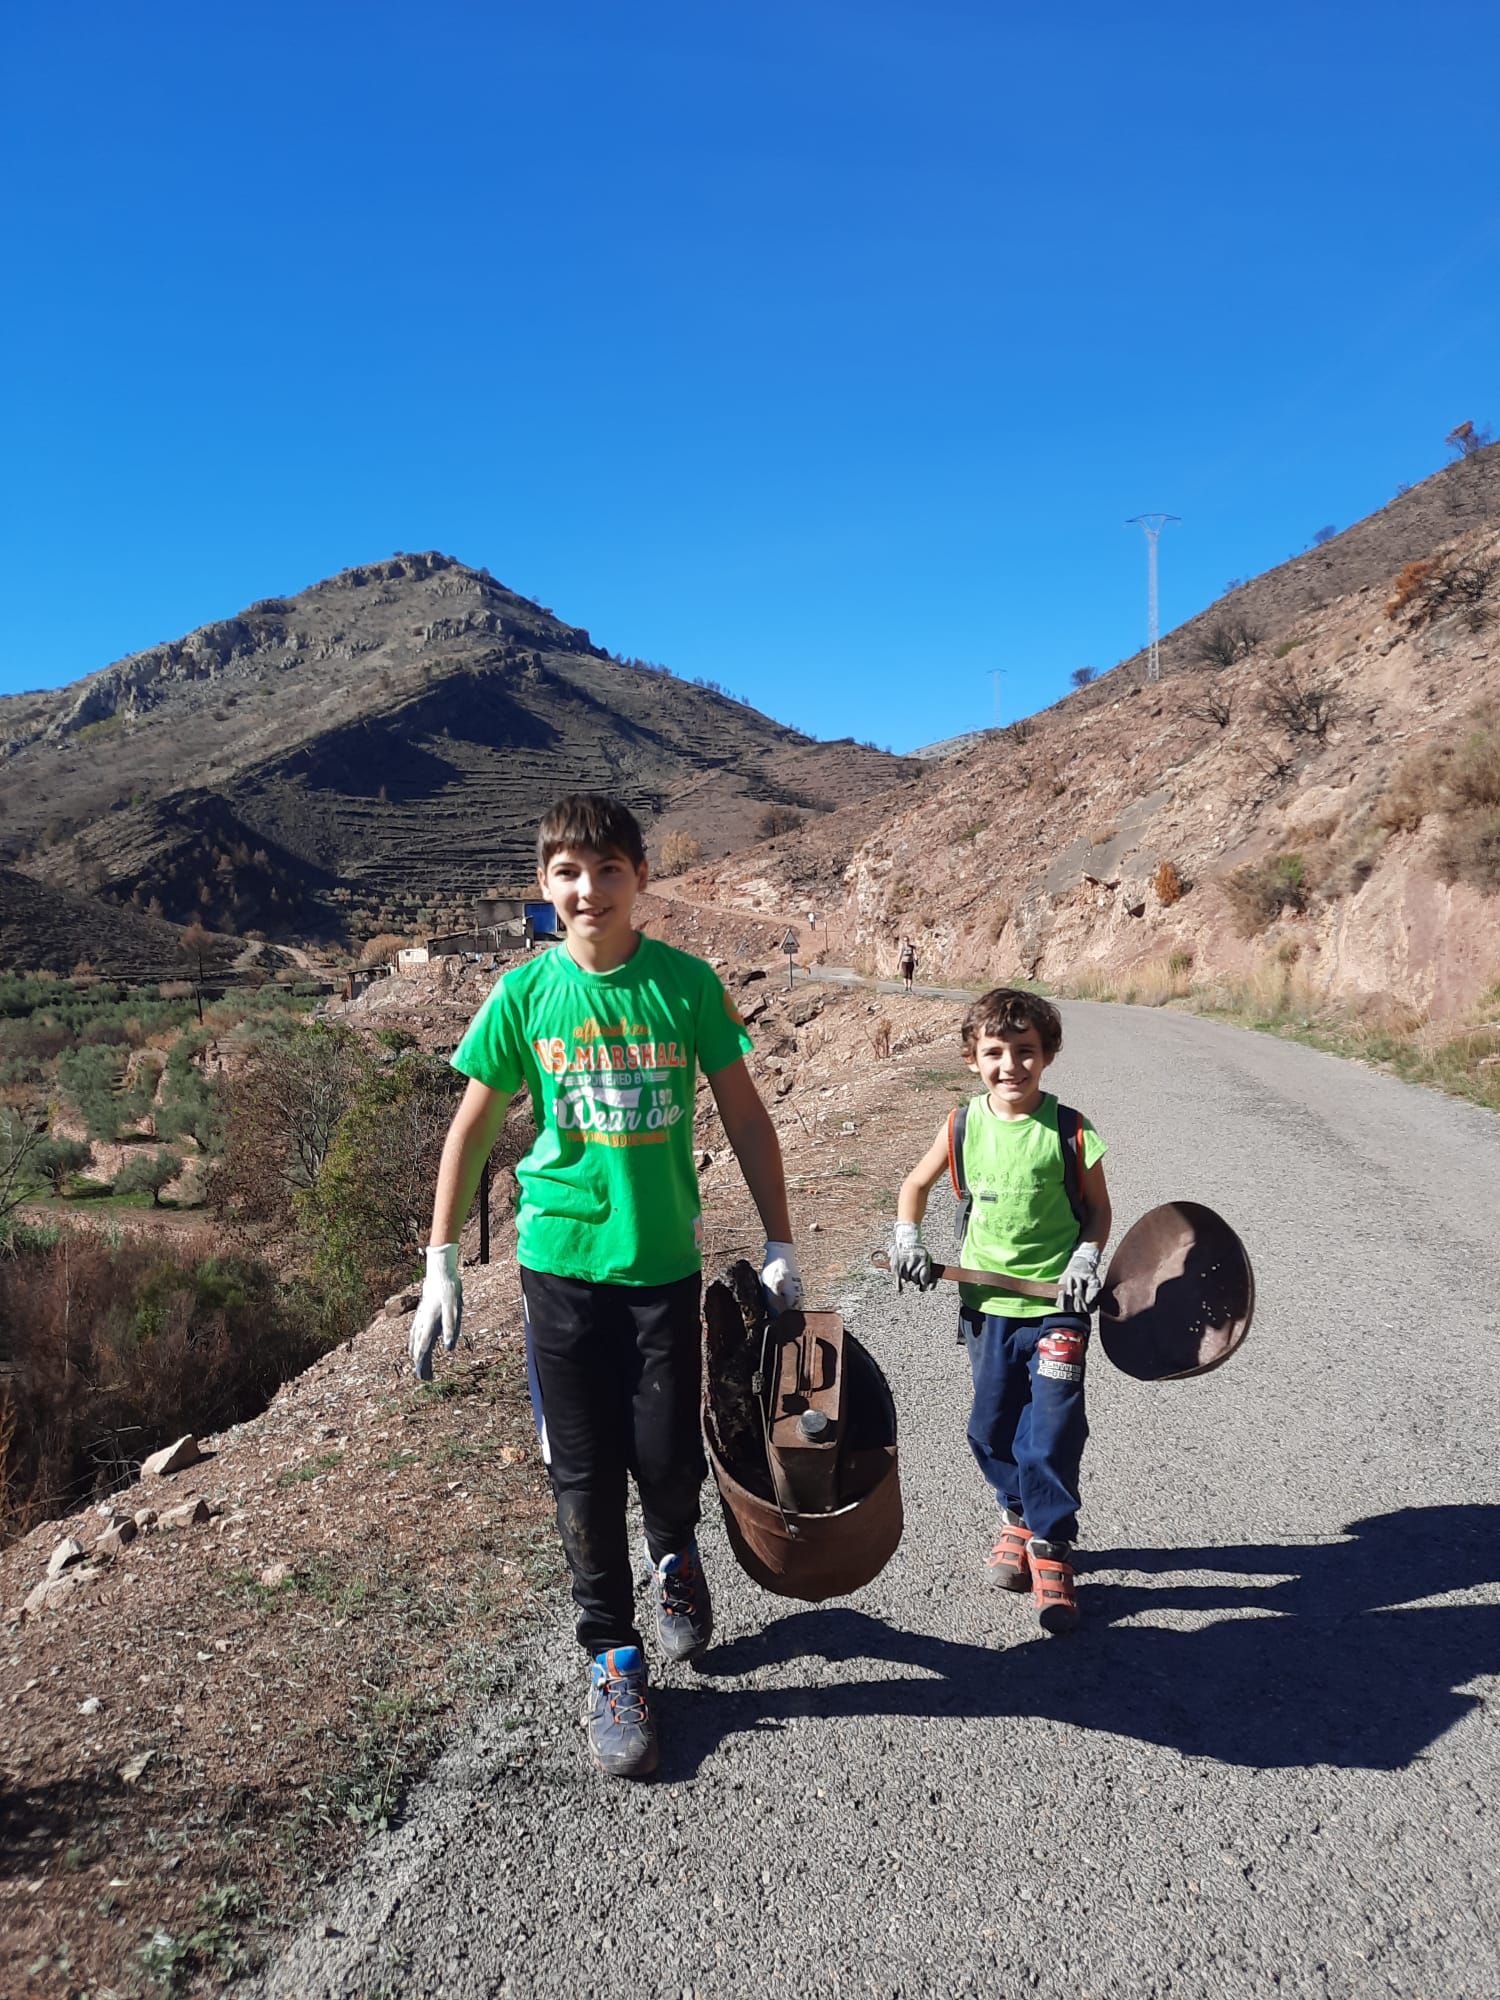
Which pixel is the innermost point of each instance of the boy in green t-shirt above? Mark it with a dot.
(607, 1032)
(1040, 1211)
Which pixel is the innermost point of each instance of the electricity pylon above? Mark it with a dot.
(1152, 525)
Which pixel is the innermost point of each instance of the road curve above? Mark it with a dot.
(1266, 1763)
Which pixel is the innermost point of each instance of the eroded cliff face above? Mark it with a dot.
(1221, 818)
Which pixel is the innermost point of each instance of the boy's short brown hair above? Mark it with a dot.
(1008, 1010)
(589, 819)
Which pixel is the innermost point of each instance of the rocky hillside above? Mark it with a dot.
(1328, 799)
(379, 746)
(45, 929)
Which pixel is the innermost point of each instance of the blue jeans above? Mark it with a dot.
(1027, 1428)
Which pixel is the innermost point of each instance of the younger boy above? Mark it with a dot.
(1040, 1211)
(607, 1032)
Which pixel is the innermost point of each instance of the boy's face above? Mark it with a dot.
(1010, 1067)
(594, 893)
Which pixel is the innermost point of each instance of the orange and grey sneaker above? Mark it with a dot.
(1007, 1561)
(1052, 1585)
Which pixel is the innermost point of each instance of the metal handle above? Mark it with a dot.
(994, 1281)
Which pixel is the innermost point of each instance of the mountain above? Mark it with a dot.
(1324, 809)
(373, 749)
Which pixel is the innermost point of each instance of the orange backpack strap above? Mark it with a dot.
(958, 1121)
(1070, 1132)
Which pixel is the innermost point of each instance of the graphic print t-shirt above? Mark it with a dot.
(609, 1191)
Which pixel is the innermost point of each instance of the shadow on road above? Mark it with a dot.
(1325, 1669)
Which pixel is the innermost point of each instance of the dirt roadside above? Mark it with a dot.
(209, 1724)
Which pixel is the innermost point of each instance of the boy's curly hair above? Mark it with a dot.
(589, 819)
(1007, 1010)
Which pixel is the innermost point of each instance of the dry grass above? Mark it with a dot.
(1459, 778)
(1259, 891)
(1277, 997)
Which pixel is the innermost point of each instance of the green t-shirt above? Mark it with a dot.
(609, 1191)
(1021, 1220)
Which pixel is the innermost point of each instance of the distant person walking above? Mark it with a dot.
(908, 963)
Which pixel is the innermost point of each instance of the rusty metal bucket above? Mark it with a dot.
(801, 1433)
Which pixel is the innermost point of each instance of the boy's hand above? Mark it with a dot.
(912, 1263)
(441, 1308)
(780, 1279)
(1079, 1286)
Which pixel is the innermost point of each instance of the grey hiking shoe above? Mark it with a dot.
(684, 1610)
(622, 1735)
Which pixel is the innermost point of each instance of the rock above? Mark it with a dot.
(90, 1707)
(188, 1515)
(705, 1160)
(145, 1519)
(402, 1302)
(116, 1536)
(274, 1575)
(134, 1768)
(66, 1553)
(816, 1228)
(1135, 909)
(174, 1458)
(36, 1598)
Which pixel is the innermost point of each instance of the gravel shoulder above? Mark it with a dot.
(1266, 1762)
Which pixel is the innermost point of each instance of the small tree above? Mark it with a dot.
(193, 944)
(1467, 438)
(1081, 676)
(678, 851)
(23, 1130)
(1215, 707)
(148, 1173)
(777, 819)
(1323, 536)
(57, 1160)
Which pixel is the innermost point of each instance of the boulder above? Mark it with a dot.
(67, 1552)
(188, 1515)
(174, 1458)
(145, 1519)
(116, 1536)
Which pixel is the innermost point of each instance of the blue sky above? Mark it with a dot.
(817, 349)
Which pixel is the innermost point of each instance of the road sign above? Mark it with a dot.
(790, 943)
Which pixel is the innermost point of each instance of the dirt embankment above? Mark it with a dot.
(1218, 819)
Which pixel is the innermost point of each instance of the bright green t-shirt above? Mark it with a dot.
(1021, 1221)
(609, 1190)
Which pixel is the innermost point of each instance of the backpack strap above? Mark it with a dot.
(1070, 1132)
(958, 1120)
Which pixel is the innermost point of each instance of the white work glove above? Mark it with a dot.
(1078, 1287)
(780, 1279)
(913, 1265)
(441, 1308)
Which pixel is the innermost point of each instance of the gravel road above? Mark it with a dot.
(1265, 1763)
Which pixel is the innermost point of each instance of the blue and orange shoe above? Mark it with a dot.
(684, 1609)
(622, 1736)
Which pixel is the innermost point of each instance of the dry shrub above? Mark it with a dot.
(1167, 883)
(1426, 591)
(678, 851)
(1462, 780)
(1259, 891)
(777, 819)
(382, 948)
(1228, 640)
(1469, 851)
(1303, 703)
(113, 1350)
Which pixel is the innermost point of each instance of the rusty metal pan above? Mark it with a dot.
(1179, 1295)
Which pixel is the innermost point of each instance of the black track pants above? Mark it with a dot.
(615, 1375)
